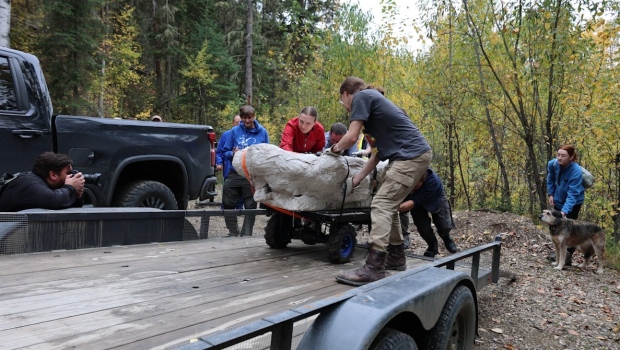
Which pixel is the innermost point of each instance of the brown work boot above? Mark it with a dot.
(396, 259)
(373, 270)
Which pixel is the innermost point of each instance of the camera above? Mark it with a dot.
(92, 179)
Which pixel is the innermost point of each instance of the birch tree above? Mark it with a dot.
(5, 22)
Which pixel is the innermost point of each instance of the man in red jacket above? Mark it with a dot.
(304, 134)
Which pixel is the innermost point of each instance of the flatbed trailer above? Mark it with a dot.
(220, 292)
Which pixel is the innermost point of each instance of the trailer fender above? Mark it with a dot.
(421, 293)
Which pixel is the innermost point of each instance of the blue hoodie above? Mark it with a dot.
(219, 154)
(565, 184)
(241, 138)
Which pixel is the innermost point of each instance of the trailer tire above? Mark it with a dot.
(391, 339)
(456, 327)
(278, 230)
(147, 194)
(341, 243)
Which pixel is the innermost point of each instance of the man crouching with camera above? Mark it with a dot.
(50, 185)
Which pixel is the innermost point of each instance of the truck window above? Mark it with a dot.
(8, 100)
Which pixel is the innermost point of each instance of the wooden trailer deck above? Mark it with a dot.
(156, 295)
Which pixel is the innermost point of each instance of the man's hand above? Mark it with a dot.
(347, 186)
(76, 181)
(551, 202)
(218, 167)
(330, 151)
(405, 206)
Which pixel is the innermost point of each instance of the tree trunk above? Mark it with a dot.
(5, 23)
(248, 52)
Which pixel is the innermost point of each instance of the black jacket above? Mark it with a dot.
(28, 191)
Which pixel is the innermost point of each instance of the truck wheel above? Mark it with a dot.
(341, 243)
(455, 328)
(278, 230)
(148, 194)
(391, 339)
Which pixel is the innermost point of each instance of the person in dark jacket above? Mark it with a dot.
(304, 134)
(249, 132)
(565, 190)
(428, 196)
(333, 136)
(50, 185)
(223, 164)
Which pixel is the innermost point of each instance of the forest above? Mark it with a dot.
(496, 87)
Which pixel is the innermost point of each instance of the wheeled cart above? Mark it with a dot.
(332, 227)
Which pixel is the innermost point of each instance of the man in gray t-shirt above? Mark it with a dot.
(399, 141)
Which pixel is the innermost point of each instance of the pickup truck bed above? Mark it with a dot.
(162, 294)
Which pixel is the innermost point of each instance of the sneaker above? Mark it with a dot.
(450, 245)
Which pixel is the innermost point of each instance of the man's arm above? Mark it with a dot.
(367, 169)
(37, 194)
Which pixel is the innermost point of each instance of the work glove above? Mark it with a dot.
(332, 153)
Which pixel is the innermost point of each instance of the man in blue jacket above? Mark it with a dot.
(249, 132)
(428, 196)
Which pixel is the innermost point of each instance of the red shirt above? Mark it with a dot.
(296, 141)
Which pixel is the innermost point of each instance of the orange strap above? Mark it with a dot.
(247, 176)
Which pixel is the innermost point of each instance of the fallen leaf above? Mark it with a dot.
(510, 347)
(572, 332)
(497, 330)
(563, 314)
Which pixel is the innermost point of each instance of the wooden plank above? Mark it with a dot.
(157, 295)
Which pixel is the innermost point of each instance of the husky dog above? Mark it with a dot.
(573, 233)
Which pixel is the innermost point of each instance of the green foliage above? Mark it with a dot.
(502, 86)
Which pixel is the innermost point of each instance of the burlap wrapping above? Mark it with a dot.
(302, 182)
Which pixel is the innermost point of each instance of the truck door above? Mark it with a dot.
(25, 132)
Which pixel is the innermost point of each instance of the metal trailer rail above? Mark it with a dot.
(281, 325)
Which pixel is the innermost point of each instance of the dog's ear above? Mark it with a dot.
(556, 213)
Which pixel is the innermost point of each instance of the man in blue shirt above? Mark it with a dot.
(249, 132)
(428, 196)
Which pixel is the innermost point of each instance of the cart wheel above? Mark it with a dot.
(341, 243)
(391, 339)
(456, 326)
(278, 230)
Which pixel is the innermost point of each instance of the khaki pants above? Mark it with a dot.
(399, 179)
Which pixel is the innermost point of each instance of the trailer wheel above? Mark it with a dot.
(455, 328)
(148, 194)
(391, 339)
(278, 230)
(341, 243)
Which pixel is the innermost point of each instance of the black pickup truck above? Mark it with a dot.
(142, 164)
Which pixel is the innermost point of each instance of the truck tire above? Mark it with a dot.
(147, 194)
(341, 243)
(278, 230)
(456, 327)
(391, 339)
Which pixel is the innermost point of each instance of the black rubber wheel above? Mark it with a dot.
(456, 327)
(147, 194)
(391, 339)
(341, 243)
(278, 230)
